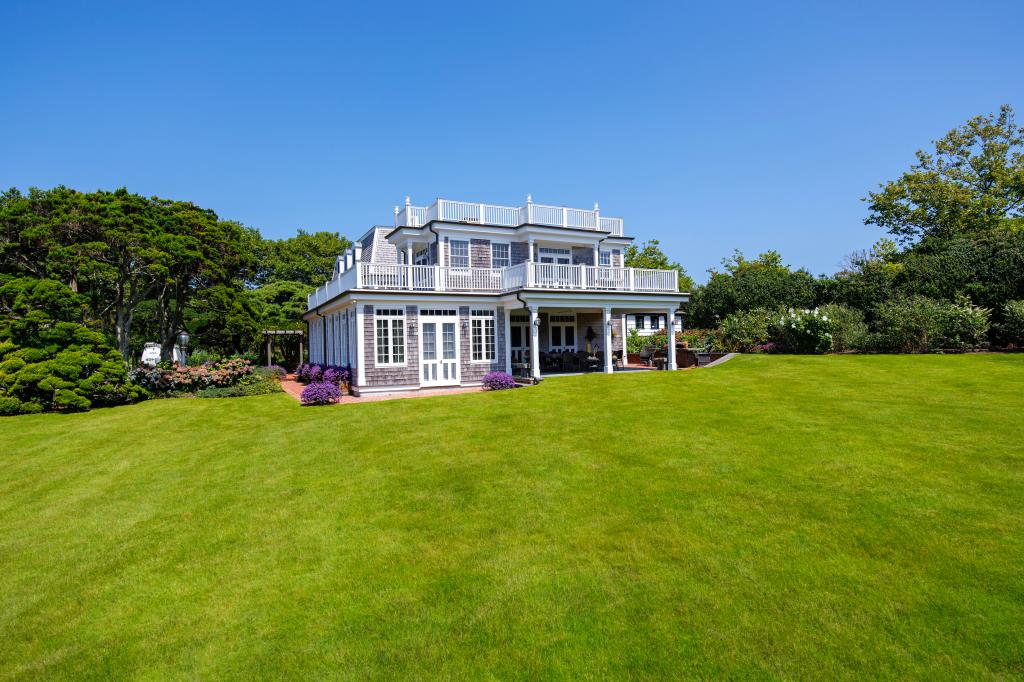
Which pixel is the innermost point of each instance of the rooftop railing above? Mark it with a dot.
(507, 216)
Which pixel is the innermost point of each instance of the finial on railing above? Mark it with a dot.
(396, 209)
(597, 207)
(407, 200)
(529, 198)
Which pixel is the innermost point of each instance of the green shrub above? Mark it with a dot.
(849, 331)
(803, 331)
(1012, 328)
(963, 325)
(921, 325)
(254, 384)
(743, 330)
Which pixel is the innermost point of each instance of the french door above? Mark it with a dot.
(563, 333)
(439, 346)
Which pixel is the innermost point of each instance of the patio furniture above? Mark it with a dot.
(647, 355)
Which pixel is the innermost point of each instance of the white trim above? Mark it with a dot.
(390, 329)
(508, 340)
(493, 309)
(360, 344)
(452, 317)
(506, 244)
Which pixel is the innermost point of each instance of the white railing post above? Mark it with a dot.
(357, 255)
(597, 220)
(530, 275)
(529, 211)
(438, 282)
(583, 276)
(440, 210)
(481, 214)
(565, 217)
(629, 279)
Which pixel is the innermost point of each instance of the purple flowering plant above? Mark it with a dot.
(498, 381)
(320, 393)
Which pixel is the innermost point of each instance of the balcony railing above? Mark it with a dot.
(387, 277)
(507, 216)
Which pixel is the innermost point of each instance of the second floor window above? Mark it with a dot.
(605, 259)
(459, 253)
(500, 256)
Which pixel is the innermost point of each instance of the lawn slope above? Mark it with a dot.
(771, 517)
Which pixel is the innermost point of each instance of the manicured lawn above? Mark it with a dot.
(771, 517)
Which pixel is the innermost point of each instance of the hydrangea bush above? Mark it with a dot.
(320, 393)
(185, 379)
(803, 331)
(498, 381)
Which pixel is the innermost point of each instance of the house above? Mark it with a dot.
(457, 289)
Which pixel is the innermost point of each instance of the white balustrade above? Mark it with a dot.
(528, 275)
(507, 216)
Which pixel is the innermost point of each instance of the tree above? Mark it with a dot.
(972, 183)
(307, 257)
(744, 285)
(649, 255)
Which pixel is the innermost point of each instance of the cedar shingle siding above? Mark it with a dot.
(392, 376)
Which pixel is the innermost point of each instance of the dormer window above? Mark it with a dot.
(459, 253)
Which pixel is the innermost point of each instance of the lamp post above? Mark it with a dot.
(183, 338)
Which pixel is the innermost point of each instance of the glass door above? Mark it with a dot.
(439, 347)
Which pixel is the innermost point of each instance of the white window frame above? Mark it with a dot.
(604, 259)
(394, 319)
(452, 256)
(555, 255)
(481, 315)
(508, 254)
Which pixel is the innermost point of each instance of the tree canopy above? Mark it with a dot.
(973, 182)
(650, 255)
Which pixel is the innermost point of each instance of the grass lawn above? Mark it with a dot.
(771, 517)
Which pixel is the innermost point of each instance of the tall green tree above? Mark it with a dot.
(743, 284)
(307, 257)
(971, 183)
(650, 255)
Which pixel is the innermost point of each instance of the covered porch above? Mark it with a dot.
(574, 334)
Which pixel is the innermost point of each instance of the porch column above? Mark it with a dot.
(300, 350)
(535, 341)
(609, 367)
(508, 340)
(671, 327)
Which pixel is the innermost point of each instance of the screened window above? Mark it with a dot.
(482, 335)
(390, 326)
(459, 253)
(500, 256)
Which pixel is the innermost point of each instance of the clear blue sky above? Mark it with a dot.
(709, 126)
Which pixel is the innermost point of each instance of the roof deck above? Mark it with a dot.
(507, 216)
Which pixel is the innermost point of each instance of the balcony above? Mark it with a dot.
(538, 276)
(507, 216)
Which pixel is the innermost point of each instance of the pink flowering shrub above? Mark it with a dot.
(185, 379)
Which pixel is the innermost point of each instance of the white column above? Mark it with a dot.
(609, 367)
(535, 341)
(671, 326)
(360, 343)
(408, 265)
(508, 340)
(529, 253)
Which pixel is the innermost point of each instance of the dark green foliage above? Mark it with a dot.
(743, 330)
(307, 258)
(920, 325)
(847, 326)
(972, 183)
(649, 255)
(49, 360)
(749, 284)
(1012, 327)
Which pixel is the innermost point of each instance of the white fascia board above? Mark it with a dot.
(615, 299)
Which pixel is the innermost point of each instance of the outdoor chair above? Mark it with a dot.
(647, 355)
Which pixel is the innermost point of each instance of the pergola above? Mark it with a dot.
(270, 334)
